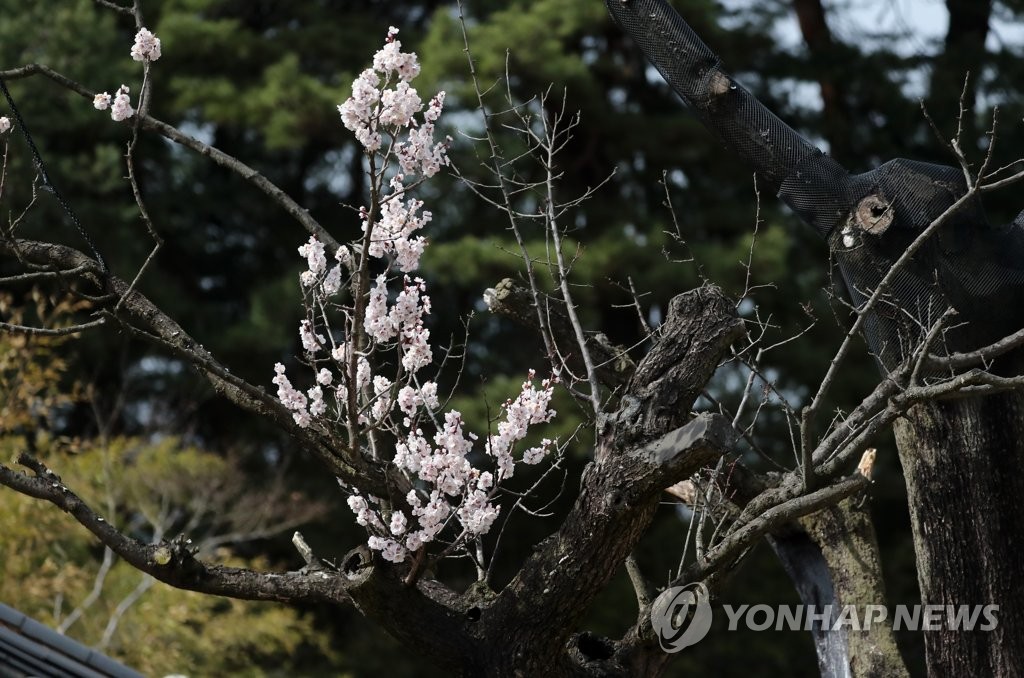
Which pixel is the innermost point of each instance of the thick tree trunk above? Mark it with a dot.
(834, 561)
(963, 461)
(846, 536)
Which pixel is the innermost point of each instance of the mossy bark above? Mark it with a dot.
(962, 460)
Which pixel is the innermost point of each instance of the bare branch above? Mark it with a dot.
(218, 156)
(52, 332)
(172, 562)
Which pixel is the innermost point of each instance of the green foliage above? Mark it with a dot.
(51, 564)
(32, 368)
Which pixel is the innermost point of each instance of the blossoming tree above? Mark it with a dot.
(370, 409)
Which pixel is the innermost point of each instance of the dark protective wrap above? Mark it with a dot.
(869, 219)
(726, 108)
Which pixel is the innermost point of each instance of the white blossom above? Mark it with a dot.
(450, 489)
(399, 523)
(146, 47)
(122, 106)
(101, 101)
(477, 514)
(316, 262)
(317, 406)
(390, 549)
(311, 341)
(5, 124)
(291, 398)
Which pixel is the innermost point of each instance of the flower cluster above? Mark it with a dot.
(316, 262)
(431, 448)
(146, 47)
(121, 109)
(5, 124)
(393, 232)
(374, 107)
(419, 154)
(454, 487)
(531, 406)
(120, 105)
(290, 397)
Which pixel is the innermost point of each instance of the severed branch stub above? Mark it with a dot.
(873, 214)
(304, 549)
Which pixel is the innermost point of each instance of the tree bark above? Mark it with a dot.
(962, 460)
(643, 448)
(845, 534)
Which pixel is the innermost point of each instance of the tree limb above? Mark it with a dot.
(172, 562)
(148, 122)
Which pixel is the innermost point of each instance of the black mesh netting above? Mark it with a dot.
(868, 219)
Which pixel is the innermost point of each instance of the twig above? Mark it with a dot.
(52, 332)
(223, 159)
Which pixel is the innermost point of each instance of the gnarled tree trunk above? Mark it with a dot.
(963, 461)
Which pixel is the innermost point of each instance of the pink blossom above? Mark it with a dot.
(363, 372)
(290, 397)
(399, 523)
(477, 514)
(101, 101)
(412, 452)
(414, 541)
(393, 231)
(390, 59)
(385, 105)
(432, 515)
(377, 323)
(416, 351)
(529, 407)
(344, 257)
(420, 154)
(535, 455)
(317, 406)
(408, 308)
(398, 105)
(358, 111)
(122, 107)
(311, 341)
(146, 47)
(365, 515)
(332, 283)
(316, 262)
(383, 403)
(390, 549)
(410, 398)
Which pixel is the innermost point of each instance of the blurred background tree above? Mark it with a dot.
(261, 79)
